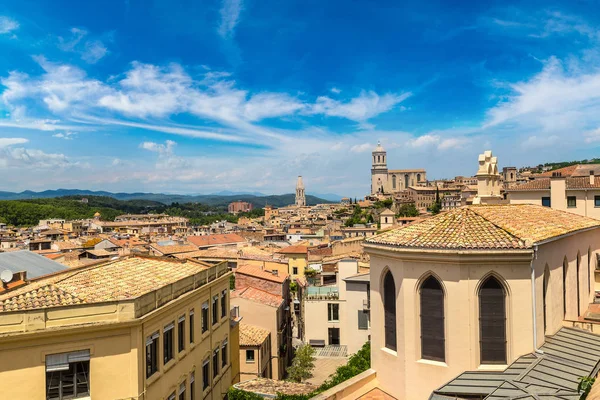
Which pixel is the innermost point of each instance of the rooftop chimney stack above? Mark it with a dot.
(592, 177)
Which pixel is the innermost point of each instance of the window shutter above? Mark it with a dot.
(432, 321)
(363, 321)
(492, 323)
(389, 305)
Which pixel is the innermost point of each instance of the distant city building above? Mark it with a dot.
(239, 206)
(392, 181)
(300, 195)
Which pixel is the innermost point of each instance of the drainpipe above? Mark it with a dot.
(533, 308)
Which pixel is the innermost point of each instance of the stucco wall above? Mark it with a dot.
(316, 325)
(355, 294)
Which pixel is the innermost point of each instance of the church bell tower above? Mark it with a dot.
(379, 171)
(300, 195)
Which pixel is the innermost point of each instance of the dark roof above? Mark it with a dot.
(552, 374)
(361, 278)
(34, 264)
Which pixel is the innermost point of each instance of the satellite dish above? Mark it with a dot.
(6, 276)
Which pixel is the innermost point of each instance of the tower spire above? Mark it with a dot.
(300, 195)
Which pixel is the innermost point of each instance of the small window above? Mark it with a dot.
(215, 309)
(333, 312)
(181, 334)
(596, 201)
(571, 201)
(249, 356)
(151, 354)
(205, 374)
(171, 396)
(294, 270)
(363, 320)
(215, 362)
(67, 375)
(168, 343)
(192, 326)
(546, 201)
(204, 316)
(192, 386)
(223, 303)
(224, 354)
(181, 391)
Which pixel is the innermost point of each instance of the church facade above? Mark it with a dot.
(394, 180)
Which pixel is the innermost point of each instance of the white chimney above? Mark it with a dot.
(592, 178)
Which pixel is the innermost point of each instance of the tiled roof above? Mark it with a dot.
(215, 240)
(119, 280)
(251, 335)
(536, 184)
(486, 227)
(174, 249)
(257, 295)
(565, 171)
(297, 249)
(581, 182)
(273, 387)
(260, 273)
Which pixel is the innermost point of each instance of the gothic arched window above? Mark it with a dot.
(418, 177)
(389, 307)
(405, 181)
(432, 320)
(492, 322)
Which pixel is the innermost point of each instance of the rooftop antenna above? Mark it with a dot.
(6, 276)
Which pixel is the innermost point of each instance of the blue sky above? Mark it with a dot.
(186, 96)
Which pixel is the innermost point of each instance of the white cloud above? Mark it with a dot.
(361, 148)
(90, 51)
(5, 142)
(166, 155)
(424, 141)
(230, 15)
(335, 90)
(22, 158)
(367, 105)
(437, 141)
(68, 135)
(7, 25)
(592, 136)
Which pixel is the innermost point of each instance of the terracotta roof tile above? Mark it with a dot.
(564, 171)
(536, 184)
(251, 335)
(260, 273)
(510, 227)
(257, 295)
(273, 387)
(583, 183)
(297, 249)
(215, 240)
(119, 280)
(174, 249)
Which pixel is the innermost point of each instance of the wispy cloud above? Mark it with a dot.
(8, 25)
(90, 51)
(230, 16)
(68, 135)
(367, 105)
(437, 141)
(4, 142)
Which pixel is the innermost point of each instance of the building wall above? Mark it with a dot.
(297, 261)
(356, 293)
(117, 350)
(404, 374)
(316, 322)
(261, 366)
(584, 199)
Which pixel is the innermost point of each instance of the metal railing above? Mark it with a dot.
(322, 293)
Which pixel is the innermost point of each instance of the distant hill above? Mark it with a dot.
(213, 200)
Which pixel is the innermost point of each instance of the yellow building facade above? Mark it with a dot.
(138, 328)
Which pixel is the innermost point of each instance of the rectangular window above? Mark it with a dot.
(215, 363)
(333, 312)
(171, 396)
(223, 303)
(249, 356)
(67, 375)
(294, 270)
(204, 316)
(181, 334)
(546, 201)
(205, 373)
(571, 201)
(192, 386)
(151, 354)
(215, 309)
(181, 391)
(168, 343)
(596, 201)
(224, 354)
(363, 320)
(192, 326)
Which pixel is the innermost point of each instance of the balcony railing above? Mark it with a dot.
(322, 293)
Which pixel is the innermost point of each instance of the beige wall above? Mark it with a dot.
(316, 324)
(298, 261)
(356, 338)
(403, 374)
(117, 349)
(261, 365)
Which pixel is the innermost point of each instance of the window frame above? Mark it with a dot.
(547, 199)
(250, 360)
(389, 311)
(72, 370)
(205, 317)
(432, 320)
(152, 362)
(332, 310)
(215, 362)
(597, 201)
(192, 385)
(205, 374)
(191, 327)
(482, 318)
(224, 358)
(181, 334)
(224, 303)
(168, 343)
(215, 310)
(574, 201)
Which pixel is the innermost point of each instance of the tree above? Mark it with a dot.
(303, 364)
(408, 210)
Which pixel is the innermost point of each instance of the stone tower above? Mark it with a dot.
(300, 195)
(379, 170)
(488, 180)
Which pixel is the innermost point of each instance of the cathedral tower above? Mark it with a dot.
(379, 170)
(300, 196)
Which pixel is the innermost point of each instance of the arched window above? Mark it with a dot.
(394, 181)
(418, 177)
(564, 288)
(405, 181)
(578, 299)
(378, 158)
(432, 320)
(492, 322)
(389, 307)
(545, 294)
